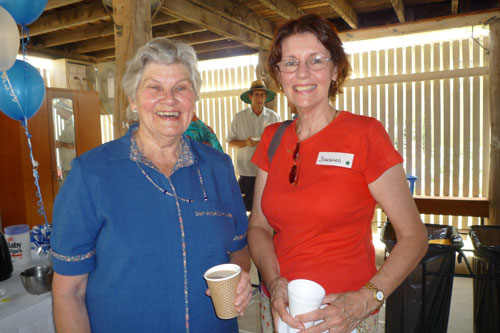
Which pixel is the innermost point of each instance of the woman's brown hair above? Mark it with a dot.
(326, 34)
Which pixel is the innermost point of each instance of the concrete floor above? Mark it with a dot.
(460, 320)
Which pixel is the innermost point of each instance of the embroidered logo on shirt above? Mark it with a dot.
(343, 160)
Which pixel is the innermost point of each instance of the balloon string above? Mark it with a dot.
(23, 42)
(36, 176)
(8, 86)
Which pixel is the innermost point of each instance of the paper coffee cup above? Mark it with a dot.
(304, 296)
(222, 281)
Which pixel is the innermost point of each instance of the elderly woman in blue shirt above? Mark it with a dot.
(140, 219)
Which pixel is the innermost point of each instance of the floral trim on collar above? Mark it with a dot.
(186, 158)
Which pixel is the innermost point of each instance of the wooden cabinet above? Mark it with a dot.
(18, 201)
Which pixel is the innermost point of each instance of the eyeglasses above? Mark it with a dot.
(314, 63)
(293, 177)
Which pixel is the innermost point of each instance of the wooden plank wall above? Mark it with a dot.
(433, 101)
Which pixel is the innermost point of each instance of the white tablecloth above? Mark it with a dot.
(25, 313)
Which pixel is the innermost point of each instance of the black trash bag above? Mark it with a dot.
(422, 302)
(486, 242)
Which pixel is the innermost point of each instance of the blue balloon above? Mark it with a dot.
(24, 11)
(29, 88)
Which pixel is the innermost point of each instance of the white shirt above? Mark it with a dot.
(246, 123)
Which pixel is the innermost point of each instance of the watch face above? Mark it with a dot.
(380, 296)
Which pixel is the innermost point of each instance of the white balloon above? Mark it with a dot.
(9, 40)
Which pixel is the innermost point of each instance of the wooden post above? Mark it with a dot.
(494, 190)
(263, 74)
(132, 20)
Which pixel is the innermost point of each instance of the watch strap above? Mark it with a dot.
(371, 286)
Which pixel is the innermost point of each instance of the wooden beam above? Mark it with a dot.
(192, 39)
(344, 9)
(417, 77)
(168, 31)
(85, 33)
(200, 38)
(494, 184)
(189, 12)
(108, 55)
(132, 30)
(214, 46)
(454, 6)
(432, 24)
(51, 4)
(90, 32)
(399, 8)
(69, 18)
(234, 52)
(177, 29)
(237, 13)
(93, 45)
(56, 54)
(476, 207)
(284, 8)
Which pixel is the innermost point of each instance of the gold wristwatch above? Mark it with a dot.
(377, 293)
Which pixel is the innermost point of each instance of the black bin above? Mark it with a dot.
(486, 287)
(422, 302)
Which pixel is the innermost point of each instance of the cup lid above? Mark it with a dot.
(16, 229)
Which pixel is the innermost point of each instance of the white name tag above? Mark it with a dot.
(343, 160)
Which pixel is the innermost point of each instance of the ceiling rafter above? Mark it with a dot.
(57, 54)
(238, 14)
(92, 31)
(169, 31)
(232, 52)
(202, 48)
(51, 4)
(219, 45)
(399, 8)
(200, 38)
(69, 18)
(284, 8)
(189, 12)
(344, 9)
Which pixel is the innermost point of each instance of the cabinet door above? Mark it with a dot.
(62, 114)
(87, 121)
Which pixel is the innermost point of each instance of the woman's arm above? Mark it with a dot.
(392, 193)
(347, 310)
(241, 258)
(70, 310)
(260, 241)
(260, 236)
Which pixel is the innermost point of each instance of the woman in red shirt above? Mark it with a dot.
(313, 205)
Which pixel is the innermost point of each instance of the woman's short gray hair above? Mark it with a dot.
(163, 51)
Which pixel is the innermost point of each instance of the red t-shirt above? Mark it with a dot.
(323, 223)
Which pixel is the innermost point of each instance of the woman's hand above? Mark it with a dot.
(343, 312)
(279, 302)
(243, 293)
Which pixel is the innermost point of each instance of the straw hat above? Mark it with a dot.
(258, 85)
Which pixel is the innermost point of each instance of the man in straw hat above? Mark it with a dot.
(246, 129)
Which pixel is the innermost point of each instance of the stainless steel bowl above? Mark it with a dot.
(37, 280)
